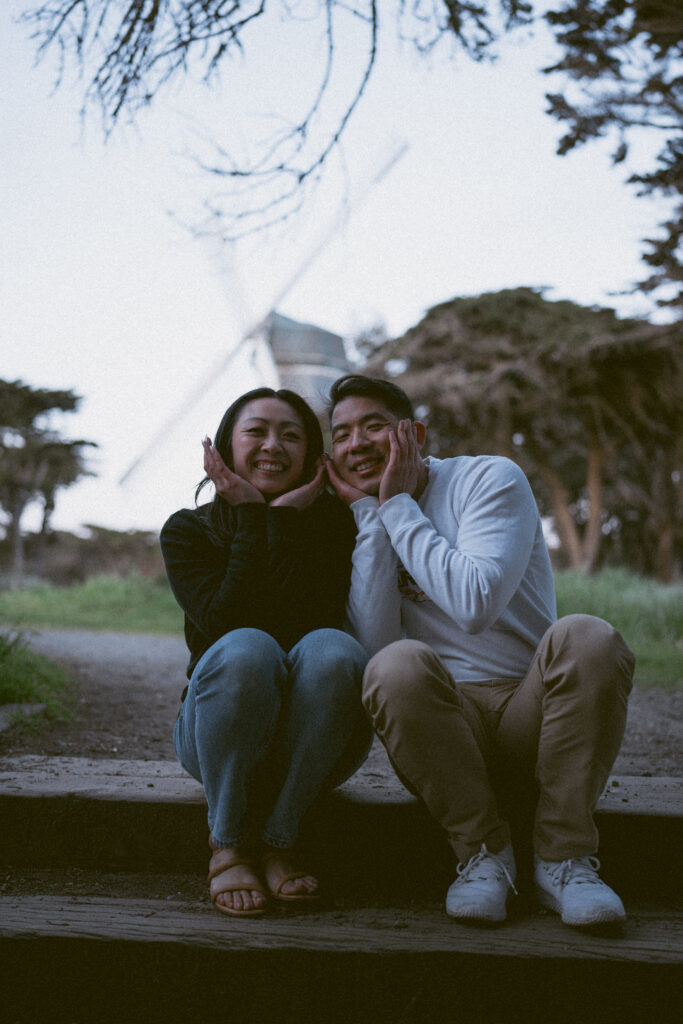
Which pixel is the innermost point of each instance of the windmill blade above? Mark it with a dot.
(343, 216)
(220, 366)
(258, 326)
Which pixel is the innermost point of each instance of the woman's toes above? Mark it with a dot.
(300, 886)
(241, 899)
(258, 900)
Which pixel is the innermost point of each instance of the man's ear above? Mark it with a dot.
(421, 432)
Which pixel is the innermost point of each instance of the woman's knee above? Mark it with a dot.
(327, 666)
(243, 667)
(244, 650)
(328, 651)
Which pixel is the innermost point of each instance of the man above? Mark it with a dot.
(473, 680)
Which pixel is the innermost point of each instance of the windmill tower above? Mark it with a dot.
(309, 359)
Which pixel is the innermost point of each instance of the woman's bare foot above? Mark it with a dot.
(284, 881)
(234, 884)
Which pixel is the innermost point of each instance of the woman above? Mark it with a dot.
(272, 711)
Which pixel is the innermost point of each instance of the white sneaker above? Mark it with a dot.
(573, 890)
(481, 890)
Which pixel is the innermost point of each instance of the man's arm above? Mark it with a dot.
(373, 608)
(471, 563)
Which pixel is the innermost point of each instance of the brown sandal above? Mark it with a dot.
(221, 863)
(276, 890)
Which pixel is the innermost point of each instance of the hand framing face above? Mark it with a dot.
(229, 486)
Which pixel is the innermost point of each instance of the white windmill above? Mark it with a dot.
(275, 351)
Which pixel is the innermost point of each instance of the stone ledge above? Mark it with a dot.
(369, 837)
(375, 782)
(648, 936)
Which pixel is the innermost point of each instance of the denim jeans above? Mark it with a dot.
(266, 730)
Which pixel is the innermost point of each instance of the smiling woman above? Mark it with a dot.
(272, 712)
(269, 446)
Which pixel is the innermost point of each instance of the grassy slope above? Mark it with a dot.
(649, 615)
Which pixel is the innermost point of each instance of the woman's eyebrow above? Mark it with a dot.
(280, 423)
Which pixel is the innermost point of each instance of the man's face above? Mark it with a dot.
(360, 441)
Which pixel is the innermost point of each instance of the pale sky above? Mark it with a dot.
(103, 292)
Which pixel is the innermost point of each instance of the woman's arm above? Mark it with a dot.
(218, 589)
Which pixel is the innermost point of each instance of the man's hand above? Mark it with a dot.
(345, 492)
(305, 495)
(229, 486)
(405, 466)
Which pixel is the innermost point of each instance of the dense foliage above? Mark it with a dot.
(587, 403)
(35, 461)
(620, 62)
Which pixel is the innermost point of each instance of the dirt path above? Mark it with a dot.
(128, 689)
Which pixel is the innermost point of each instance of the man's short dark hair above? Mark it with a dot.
(389, 395)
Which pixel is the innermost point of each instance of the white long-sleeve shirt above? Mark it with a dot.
(465, 569)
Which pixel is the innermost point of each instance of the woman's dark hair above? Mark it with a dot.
(389, 395)
(312, 430)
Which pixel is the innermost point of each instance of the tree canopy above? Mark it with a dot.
(35, 462)
(621, 62)
(624, 62)
(587, 403)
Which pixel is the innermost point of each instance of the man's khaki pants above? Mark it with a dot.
(564, 722)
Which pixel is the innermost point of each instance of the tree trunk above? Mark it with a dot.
(39, 562)
(564, 521)
(17, 568)
(593, 533)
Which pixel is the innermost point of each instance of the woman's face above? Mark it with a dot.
(269, 446)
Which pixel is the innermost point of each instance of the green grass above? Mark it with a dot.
(27, 677)
(648, 614)
(131, 604)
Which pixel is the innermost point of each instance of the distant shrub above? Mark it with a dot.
(648, 614)
(28, 677)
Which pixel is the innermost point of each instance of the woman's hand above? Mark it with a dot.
(302, 497)
(229, 486)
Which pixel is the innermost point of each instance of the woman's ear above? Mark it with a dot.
(420, 432)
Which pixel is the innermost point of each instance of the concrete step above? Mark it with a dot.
(82, 946)
(104, 915)
(369, 836)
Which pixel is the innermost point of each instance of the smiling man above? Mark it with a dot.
(473, 681)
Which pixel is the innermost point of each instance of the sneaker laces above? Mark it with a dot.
(576, 869)
(465, 870)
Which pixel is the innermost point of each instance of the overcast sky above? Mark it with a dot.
(102, 291)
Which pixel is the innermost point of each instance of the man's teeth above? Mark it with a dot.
(366, 465)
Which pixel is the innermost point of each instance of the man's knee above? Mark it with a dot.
(596, 648)
(396, 674)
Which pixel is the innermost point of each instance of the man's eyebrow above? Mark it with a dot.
(374, 415)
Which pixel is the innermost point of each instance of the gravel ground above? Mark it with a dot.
(128, 686)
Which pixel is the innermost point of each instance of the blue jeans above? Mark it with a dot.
(265, 731)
